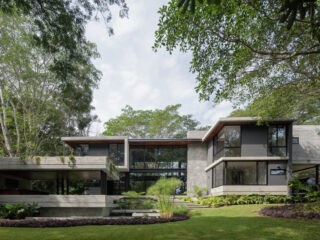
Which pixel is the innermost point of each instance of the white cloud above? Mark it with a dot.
(133, 74)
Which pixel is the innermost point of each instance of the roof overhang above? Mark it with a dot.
(164, 142)
(74, 141)
(232, 121)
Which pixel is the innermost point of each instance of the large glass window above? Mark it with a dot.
(277, 141)
(228, 142)
(158, 157)
(240, 173)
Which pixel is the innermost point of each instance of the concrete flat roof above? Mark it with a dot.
(231, 121)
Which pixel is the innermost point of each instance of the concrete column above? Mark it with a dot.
(289, 164)
(126, 153)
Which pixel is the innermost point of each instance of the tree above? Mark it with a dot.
(281, 103)
(36, 107)
(59, 27)
(240, 50)
(159, 123)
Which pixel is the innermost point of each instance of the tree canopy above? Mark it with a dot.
(244, 50)
(281, 102)
(59, 27)
(158, 123)
(37, 107)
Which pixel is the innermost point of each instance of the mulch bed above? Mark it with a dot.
(86, 221)
(288, 211)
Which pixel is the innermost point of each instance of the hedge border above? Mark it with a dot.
(36, 223)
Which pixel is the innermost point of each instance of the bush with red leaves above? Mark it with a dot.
(306, 211)
(86, 221)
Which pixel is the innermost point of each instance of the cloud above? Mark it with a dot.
(135, 75)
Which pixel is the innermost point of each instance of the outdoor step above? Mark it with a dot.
(189, 204)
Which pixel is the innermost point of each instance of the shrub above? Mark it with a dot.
(18, 210)
(86, 221)
(180, 210)
(226, 200)
(304, 192)
(298, 210)
(163, 189)
(199, 191)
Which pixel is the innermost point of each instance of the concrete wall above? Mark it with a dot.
(254, 141)
(65, 205)
(75, 212)
(248, 189)
(55, 163)
(277, 179)
(196, 134)
(308, 149)
(197, 162)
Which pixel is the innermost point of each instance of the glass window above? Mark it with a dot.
(158, 157)
(241, 173)
(232, 136)
(228, 142)
(232, 152)
(218, 174)
(116, 153)
(277, 141)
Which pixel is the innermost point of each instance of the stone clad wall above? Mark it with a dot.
(197, 162)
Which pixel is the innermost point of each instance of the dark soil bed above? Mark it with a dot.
(86, 221)
(291, 211)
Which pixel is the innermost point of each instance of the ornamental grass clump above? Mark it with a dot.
(164, 190)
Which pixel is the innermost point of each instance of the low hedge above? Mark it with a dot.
(300, 210)
(36, 223)
(226, 200)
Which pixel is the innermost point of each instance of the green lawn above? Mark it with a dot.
(235, 222)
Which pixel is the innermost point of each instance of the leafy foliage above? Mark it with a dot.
(36, 106)
(199, 191)
(227, 200)
(240, 51)
(159, 123)
(301, 210)
(18, 210)
(302, 192)
(59, 27)
(36, 223)
(180, 210)
(163, 189)
(286, 102)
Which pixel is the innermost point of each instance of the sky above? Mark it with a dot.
(135, 75)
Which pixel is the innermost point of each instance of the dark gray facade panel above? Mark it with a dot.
(209, 179)
(210, 153)
(277, 179)
(254, 141)
(98, 150)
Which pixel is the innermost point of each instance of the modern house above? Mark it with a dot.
(236, 156)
